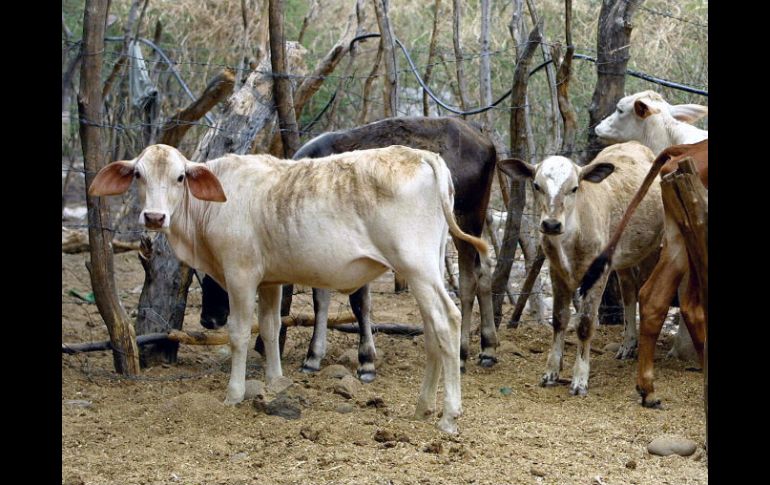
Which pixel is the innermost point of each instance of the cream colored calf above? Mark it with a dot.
(579, 209)
(336, 222)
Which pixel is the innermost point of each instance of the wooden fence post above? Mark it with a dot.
(687, 198)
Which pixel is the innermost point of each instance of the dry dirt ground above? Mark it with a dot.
(170, 425)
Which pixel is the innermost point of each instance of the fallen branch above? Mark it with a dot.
(345, 324)
(74, 242)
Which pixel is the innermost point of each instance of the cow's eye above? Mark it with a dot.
(620, 111)
(180, 178)
(537, 187)
(574, 190)
(137, 175)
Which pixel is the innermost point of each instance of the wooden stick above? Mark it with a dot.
(345, 324)
(534, 270)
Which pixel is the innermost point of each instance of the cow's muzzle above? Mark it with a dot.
(551, 226)
(154, 220)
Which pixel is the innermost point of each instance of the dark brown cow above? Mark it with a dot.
(471, 158)
(657, 293)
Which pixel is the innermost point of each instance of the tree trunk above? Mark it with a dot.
(125, 354)
(485, 77)
(390, 88)
(613, 46)
(457, 42)
(519, 149)
(284, 101)
(431, 58)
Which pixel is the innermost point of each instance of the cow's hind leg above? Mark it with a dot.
(360, 302)
(316, 351)
(465, 262)
(628, 293)
(442, 341)
(654, 300)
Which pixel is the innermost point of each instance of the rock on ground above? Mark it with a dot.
(669, 445)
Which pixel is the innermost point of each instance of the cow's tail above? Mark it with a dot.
(605, 258)
(446, 190)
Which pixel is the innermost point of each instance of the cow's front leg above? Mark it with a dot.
(241, 295)
(269, 327)
(562, 297)
(317, 349)
(587, 316)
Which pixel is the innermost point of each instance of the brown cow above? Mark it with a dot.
(657, 293)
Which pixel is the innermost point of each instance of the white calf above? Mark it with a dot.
(336, 222)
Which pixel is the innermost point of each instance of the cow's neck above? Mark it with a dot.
(664, 133)
(184, 235)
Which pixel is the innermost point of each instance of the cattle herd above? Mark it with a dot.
(354, 204)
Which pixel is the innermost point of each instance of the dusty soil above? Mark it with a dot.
(170, 426)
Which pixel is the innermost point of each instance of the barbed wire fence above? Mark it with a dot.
(352, 99)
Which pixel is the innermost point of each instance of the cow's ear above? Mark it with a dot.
(203, 184)
(689, 113)
(596, 172)
(643, 110)
(113, 179)
(517, 169)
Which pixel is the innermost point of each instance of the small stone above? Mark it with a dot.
(309, 433)
(349, 358)
(335, 371)
(631, 465)
(73, 480)
(375, 402)
(611, 347)
(383, 435)
(537, 472)
(345, 408)
(284, 405)
(346, 387)
(668, 445)
(506, 391)
(78, 403)
(239, 457)
(434, 447)
(279, 385)
(509, 347)
(254, 389)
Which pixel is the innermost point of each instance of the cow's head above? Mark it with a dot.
(556, 184)
(626, 123)
(163, 176)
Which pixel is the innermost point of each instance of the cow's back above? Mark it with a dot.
(468, 153)
(632, 162)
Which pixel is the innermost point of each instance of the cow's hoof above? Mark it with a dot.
(487, 360)
(423, 414)
(308, 369)
(366, 376)
(626, 353)
(578, 390)
(232, 401)
(448, 426)
(651, 403)
(549, 379)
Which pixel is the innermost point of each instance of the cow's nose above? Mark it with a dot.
(551, 226)
(154, 220)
